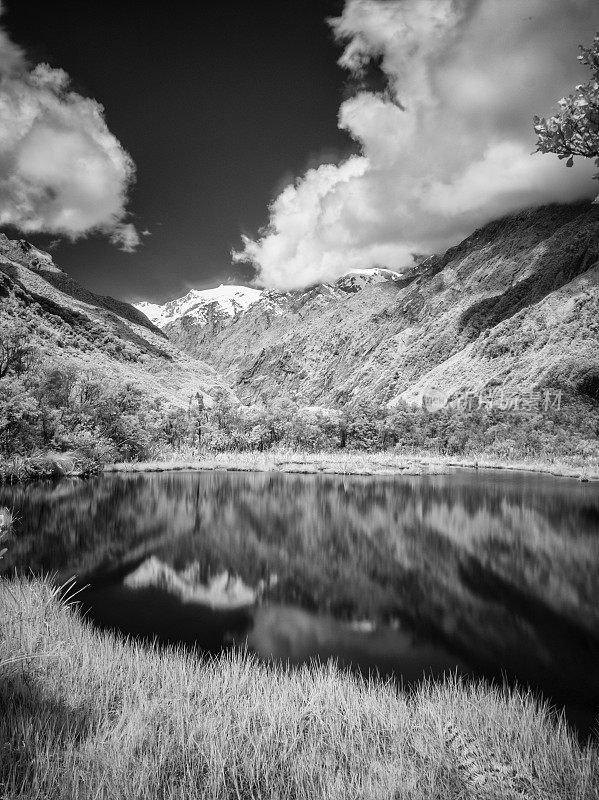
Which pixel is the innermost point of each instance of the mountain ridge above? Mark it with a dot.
(230, 300)
(70, 325)
(514, 304)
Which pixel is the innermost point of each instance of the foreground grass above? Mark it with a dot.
(357, 462)
(85, 715)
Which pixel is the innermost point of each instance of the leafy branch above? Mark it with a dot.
(574, 130)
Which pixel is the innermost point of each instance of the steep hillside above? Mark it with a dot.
(68, 323)
(515, 304)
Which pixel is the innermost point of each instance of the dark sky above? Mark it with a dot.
(219, 105)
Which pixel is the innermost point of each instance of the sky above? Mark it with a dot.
(218, 106)
(283, 142)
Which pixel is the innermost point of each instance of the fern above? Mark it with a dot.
(483, 774)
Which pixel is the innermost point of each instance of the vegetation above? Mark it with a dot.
(89, 715)
(369, 427)
(574, 130)
(57, 420)
(417, 461)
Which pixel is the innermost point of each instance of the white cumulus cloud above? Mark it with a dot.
(446, 149)
(61, 170)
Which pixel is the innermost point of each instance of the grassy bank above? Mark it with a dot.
(85, 715)
(47, 465)
(387, 462)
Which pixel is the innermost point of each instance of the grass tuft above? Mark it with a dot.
(86, 714)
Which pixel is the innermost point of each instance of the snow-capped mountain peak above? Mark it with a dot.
(201, 304)
(357, 279)
(224, 303)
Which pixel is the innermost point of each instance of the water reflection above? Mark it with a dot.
(489, 573)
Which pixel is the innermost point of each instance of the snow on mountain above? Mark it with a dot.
(357, 279)
(202, 305)
(226, 302)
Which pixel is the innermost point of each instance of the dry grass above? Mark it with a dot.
(354, 463)
(86, 715)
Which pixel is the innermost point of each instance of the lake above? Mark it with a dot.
(489, 574)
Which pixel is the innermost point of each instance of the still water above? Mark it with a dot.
(488, 574)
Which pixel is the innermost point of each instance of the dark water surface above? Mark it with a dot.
(493, 574)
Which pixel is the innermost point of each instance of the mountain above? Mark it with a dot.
(514, 304)
(68, 323)
(195, 321)
(357, 279)
(204, 307)
(217, 307)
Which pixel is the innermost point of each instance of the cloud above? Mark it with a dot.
(61, 170)
(125, 237)
(445, 149)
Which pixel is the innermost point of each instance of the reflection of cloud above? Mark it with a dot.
(221, 591)
(61, 169)
(447, 149)
(287, 632)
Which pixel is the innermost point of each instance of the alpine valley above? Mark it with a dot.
(515, 305)
(514, 308)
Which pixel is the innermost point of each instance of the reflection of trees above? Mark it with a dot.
(75, 526)
(492, 567)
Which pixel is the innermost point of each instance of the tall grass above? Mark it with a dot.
(86, 715)
(287, 459)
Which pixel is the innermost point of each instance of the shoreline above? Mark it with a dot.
(377, 464)
(351, 463)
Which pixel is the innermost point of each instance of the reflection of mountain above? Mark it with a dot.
(500, 570)
(151, 613)
(221, 591)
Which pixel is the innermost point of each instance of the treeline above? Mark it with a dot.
(53, 407)
(572, 430)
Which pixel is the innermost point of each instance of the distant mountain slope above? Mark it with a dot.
(196, 321)
(516, 303)
(67, 322)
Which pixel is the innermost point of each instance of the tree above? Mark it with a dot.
(574, 130)
(16, 354)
